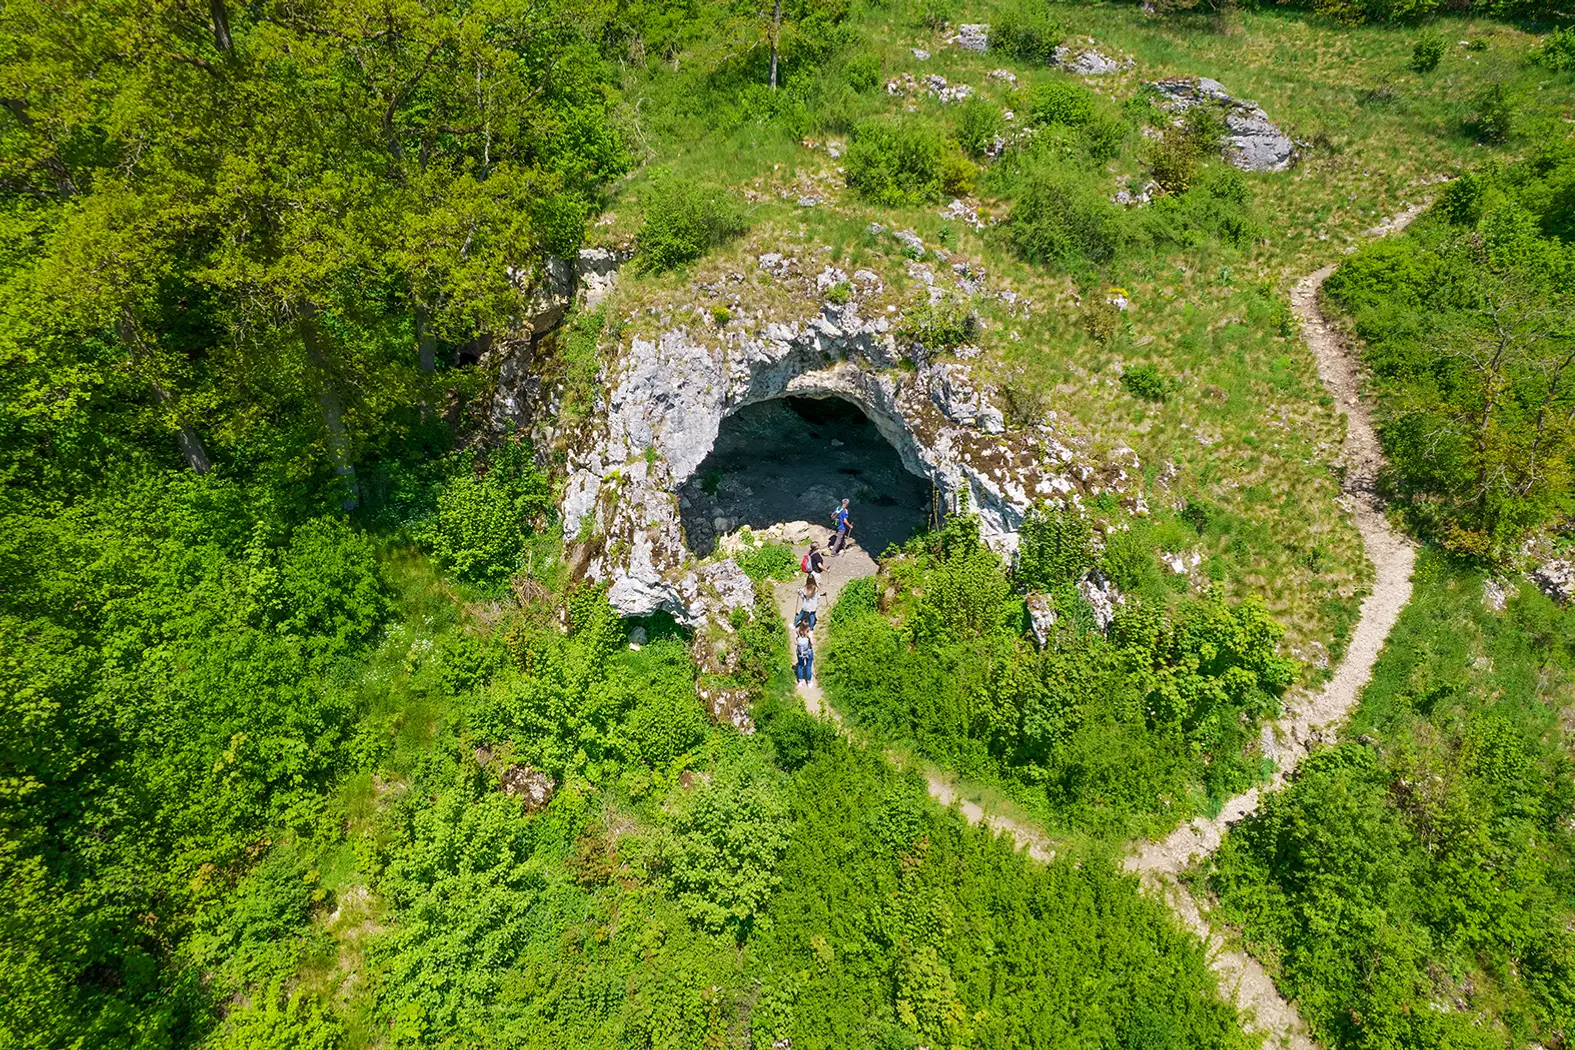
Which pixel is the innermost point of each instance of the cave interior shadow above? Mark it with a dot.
(795, 459)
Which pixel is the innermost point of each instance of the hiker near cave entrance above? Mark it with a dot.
(843, 523)
(813, 564)
(808, 604)
(804, 653)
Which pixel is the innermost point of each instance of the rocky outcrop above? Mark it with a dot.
(670, 393)
(531, 786)
(975, 37)
(1252, 142)
(1084, 61)
(1556, 578)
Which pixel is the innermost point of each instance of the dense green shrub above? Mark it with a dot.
(1055, 548)
(1058, 219)
(1476, 451)
(938, 324)
(1146, 382)
(1556, 52)
(725, 846)
(1427, 53)
(895, 162)
(1104, 732)
(1495, 112)
(1026, 31)
(683, 221)
(979, 122)
(485, 512)
(769, 561)
(862, 71)
(1059, 102)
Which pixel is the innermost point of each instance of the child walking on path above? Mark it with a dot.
(804, 649)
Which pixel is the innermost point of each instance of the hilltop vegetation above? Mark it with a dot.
(282, 616)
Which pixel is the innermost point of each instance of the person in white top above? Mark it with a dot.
(804, 655)
(808, 603)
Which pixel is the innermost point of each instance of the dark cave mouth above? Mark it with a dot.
(795, 459)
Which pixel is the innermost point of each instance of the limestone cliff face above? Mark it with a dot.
(668, 393)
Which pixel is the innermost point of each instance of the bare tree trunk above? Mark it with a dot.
(191, 447)
(776, 37)
(426, 342)
(64, 185)
(333, 411)
(221, 26)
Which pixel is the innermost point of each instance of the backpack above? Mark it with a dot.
(805, 647)
(803, 566)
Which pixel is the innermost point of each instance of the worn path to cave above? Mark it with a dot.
(1307, 718)
(853, 564)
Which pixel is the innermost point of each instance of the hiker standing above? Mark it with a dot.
(808, 604)
(843, 523)
(804, 651)
(813, 564)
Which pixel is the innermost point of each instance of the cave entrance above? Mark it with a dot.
(794, 459)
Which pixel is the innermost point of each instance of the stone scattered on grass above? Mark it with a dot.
(920, 54)
(1252, 141)
(1084, 61)
(972, 37)
(1556, 578)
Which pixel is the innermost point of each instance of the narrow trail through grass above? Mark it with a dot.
(1308, 719)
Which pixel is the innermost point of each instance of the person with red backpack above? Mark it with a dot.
(813, 563)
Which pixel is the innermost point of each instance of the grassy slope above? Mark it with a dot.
(1248, 427)
(1427, 893)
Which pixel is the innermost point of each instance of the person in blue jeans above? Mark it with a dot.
(842, 522)
(808, 603)
(804, 650)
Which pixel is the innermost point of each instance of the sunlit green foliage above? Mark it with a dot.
(1427, 857)
(1468, 325)
(1094, 731)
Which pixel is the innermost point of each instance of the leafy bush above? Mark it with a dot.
(1060, 102)
(683, 221)
(938, 324)
(1474, 450)
(1495, 111)
(979, 122)
(1026, 31)
(1557, 51)
(935, 14)
(769, 561)
(483, 519)
(1172, 161)
(1103, 137)
(957, 172)
(862, 71)
(1427, 53)
(1146, 382)
(1055, 548)
(1060, 220)
(724, 850)
(895, 162)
